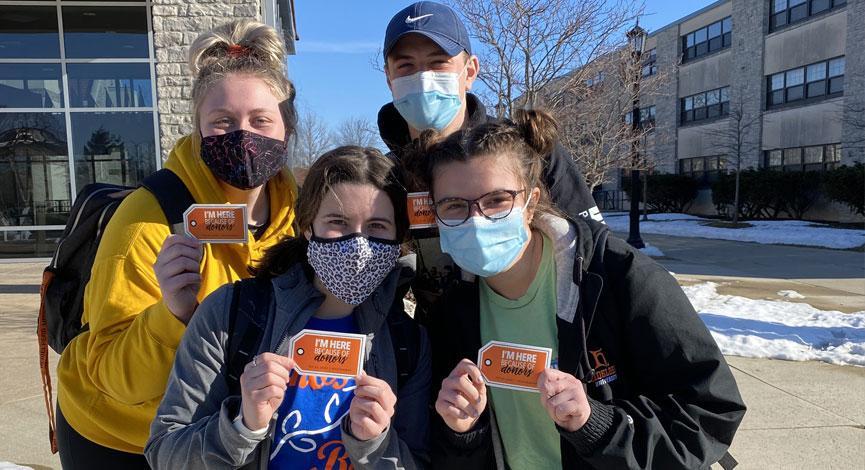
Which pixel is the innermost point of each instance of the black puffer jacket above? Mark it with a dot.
(661, 394)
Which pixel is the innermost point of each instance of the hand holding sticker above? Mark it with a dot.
(514, 366)
(216, 223)
(328, 354)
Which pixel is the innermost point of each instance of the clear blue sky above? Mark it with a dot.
(338, 40)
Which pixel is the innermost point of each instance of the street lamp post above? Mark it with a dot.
(637, 43)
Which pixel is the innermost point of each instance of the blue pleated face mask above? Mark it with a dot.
(428, 100)
(486, 247)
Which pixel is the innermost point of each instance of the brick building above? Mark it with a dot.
(95, 92)
(793, 68)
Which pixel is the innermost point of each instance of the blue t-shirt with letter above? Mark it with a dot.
(308, 422)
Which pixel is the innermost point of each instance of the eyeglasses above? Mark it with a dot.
(494, 205)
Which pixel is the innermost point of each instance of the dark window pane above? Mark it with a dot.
(105, 31)
(795, 93)
(28, 32)
(715, 44)
(690, 115)
(713, 111)
(699, 113)
(799, 13)
(778, 97)
(820, 5)
(817, 88)
(702, 49)
(728, 39)
(836, 85)
(691, 53)
(779, 19)
(109, 85)
(30, 86)
(34, 169)
(697, 165)
(114, 148)
(725, 108)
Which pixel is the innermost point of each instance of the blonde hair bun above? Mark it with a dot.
(238, 40)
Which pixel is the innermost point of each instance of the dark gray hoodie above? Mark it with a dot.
(194, 428)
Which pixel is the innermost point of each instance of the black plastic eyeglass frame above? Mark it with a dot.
(476, 202)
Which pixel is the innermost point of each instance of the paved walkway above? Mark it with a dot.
(802, 415)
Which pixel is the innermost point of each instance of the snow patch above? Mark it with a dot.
(12, 466)
(779, 329)
(767, 232)
(652, 251)
(790, 294)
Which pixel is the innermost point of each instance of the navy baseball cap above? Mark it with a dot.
(433, 20)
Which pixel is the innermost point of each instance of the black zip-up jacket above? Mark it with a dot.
(436, 272)
(661, 393)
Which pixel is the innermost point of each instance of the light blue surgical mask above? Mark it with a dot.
(428, 100)
(485, 247)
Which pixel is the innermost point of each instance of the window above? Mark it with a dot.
(786, 12)
(649, 64)
(813, 81)
(595, 80)
(647, 117)
(705, 169)
(707, 105)
(716, 36)
(836, 75)
(84, 112)
(29, 32)
(812, 158)
(795, 90)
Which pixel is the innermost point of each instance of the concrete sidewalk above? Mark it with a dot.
(804, 415)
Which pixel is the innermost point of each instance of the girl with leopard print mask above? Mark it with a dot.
(342, 275)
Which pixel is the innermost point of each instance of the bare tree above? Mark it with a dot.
(528, 44)
(596, 117)
(734, 143)
(356, 131)
(854, 116)
(313, 138)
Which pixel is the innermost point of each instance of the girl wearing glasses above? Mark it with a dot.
(636, 382)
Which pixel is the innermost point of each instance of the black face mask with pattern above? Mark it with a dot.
(243, 159)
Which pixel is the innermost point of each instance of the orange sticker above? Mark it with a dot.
(216, 223)
(329, 354)
(420, 211)
(514, 366)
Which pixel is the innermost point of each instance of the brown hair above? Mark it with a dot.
(525, 142)
(348, 164)
(242, 47)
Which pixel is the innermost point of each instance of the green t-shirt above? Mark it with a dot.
(529, 436)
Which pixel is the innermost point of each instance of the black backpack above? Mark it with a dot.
(64, 280)
(250, 305)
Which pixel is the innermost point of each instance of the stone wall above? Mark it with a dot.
(176, 24)
(747, 92)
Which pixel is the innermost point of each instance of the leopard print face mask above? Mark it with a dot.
(352, 267)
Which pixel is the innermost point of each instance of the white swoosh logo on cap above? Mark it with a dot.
(409, 19)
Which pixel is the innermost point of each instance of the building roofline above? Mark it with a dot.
(691, 16)
(288, 22)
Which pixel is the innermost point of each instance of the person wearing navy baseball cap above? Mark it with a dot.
(430, 70)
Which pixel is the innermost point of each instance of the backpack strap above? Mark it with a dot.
(250, 305)
(172, 194)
